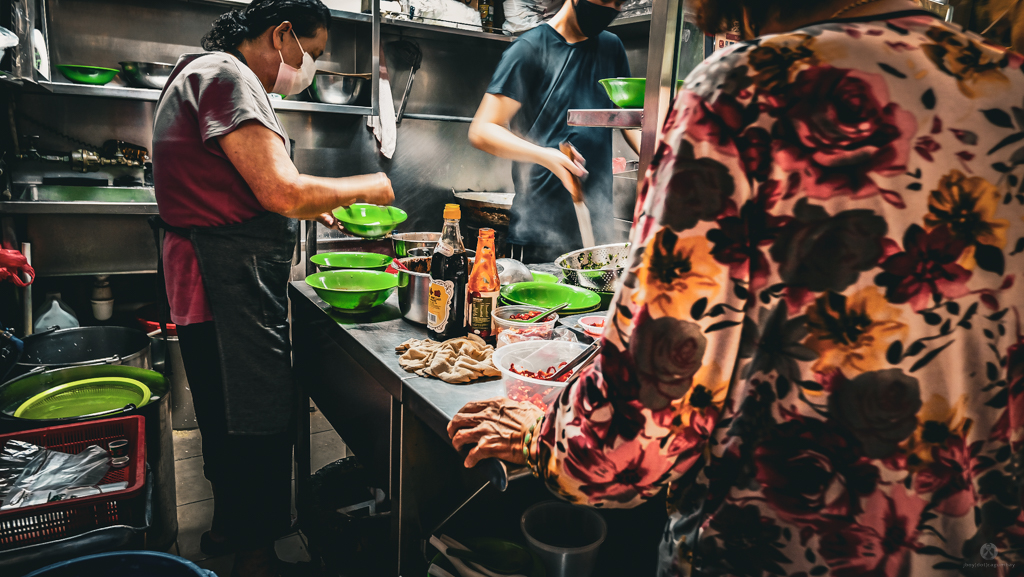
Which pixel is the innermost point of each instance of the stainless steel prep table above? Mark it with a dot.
(394, 421)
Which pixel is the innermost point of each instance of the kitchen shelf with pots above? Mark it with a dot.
(610, 118)
(150, 95)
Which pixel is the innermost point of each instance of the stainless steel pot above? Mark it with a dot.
(409, 240)
(414, 288)
(86, 346)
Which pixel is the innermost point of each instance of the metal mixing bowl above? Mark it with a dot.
(333, 89)
(597, 268)
(147, 74)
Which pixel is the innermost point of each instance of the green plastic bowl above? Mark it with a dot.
(353, 291)
(544, 277)
(626, 92)
(85, 397)
(87, 74)
(370, 220)
(351, 261)
(547, 295)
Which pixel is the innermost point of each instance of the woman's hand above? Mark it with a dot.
(329, 221)
(493, 428)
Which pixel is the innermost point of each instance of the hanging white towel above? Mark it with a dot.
(385, 126)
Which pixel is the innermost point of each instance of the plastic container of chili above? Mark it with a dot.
(520, 331)
(521, 363)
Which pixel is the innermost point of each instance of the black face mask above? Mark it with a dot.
(593, 18)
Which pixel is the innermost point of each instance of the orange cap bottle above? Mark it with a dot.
(483, 287)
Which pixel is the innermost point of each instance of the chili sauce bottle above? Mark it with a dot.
(484, 286)
(449, 273)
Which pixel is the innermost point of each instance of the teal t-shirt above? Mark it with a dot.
(548, 77)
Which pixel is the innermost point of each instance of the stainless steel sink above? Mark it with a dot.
(86, 230)
(51, 193)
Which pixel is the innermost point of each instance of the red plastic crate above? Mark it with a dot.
(26, 526)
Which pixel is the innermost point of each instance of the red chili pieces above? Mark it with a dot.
(528, 316)
(543, 375)
(528, 394)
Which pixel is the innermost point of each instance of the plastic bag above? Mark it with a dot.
(509, 337)
(523, 15)
(14, 457)
(447, 13)
(50, 474)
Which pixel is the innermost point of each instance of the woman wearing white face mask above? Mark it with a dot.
(229, 196)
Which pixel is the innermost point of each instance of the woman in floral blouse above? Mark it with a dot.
(817, 347)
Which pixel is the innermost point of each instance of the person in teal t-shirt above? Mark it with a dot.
(546, 72)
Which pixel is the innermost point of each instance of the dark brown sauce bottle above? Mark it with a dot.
(449, 273)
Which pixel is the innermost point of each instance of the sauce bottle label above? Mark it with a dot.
(439, 309)
(478, 317)
(445, 249)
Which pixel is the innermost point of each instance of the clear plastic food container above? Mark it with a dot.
(520, 331)
(534, 356)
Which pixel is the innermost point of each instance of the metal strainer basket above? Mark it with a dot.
(597, 268)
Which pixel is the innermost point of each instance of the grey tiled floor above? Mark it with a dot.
(195, 495)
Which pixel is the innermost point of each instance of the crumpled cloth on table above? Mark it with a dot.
(454, 361)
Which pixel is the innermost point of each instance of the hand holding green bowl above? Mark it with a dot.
(369, 220)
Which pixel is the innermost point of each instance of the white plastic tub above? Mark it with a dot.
(520, 388)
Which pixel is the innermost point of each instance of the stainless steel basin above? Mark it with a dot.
(52, 193)
(86, 230)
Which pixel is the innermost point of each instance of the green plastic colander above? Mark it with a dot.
(84, 398)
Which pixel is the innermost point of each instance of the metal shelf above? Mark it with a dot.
(630, 20)
(388, 20)
(611, 118)
(148, 95)
(336, 14)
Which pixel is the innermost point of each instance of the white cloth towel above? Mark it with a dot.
(385, 126)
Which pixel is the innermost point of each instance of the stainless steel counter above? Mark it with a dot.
(394, 421)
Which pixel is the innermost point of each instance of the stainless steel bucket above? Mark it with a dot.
(414, 289)
(82, 346)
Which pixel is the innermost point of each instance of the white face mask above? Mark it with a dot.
(291, 80)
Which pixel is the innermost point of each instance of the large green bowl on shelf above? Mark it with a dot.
(351, 261)
(547, 295)
(353, 291)
(95, 75)
(370, 220)
(626, 92)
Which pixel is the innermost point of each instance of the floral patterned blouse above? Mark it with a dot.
(817, 346)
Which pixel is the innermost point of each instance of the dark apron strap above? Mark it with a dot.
(163, 305)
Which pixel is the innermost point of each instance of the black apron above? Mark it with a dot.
(245, 269)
